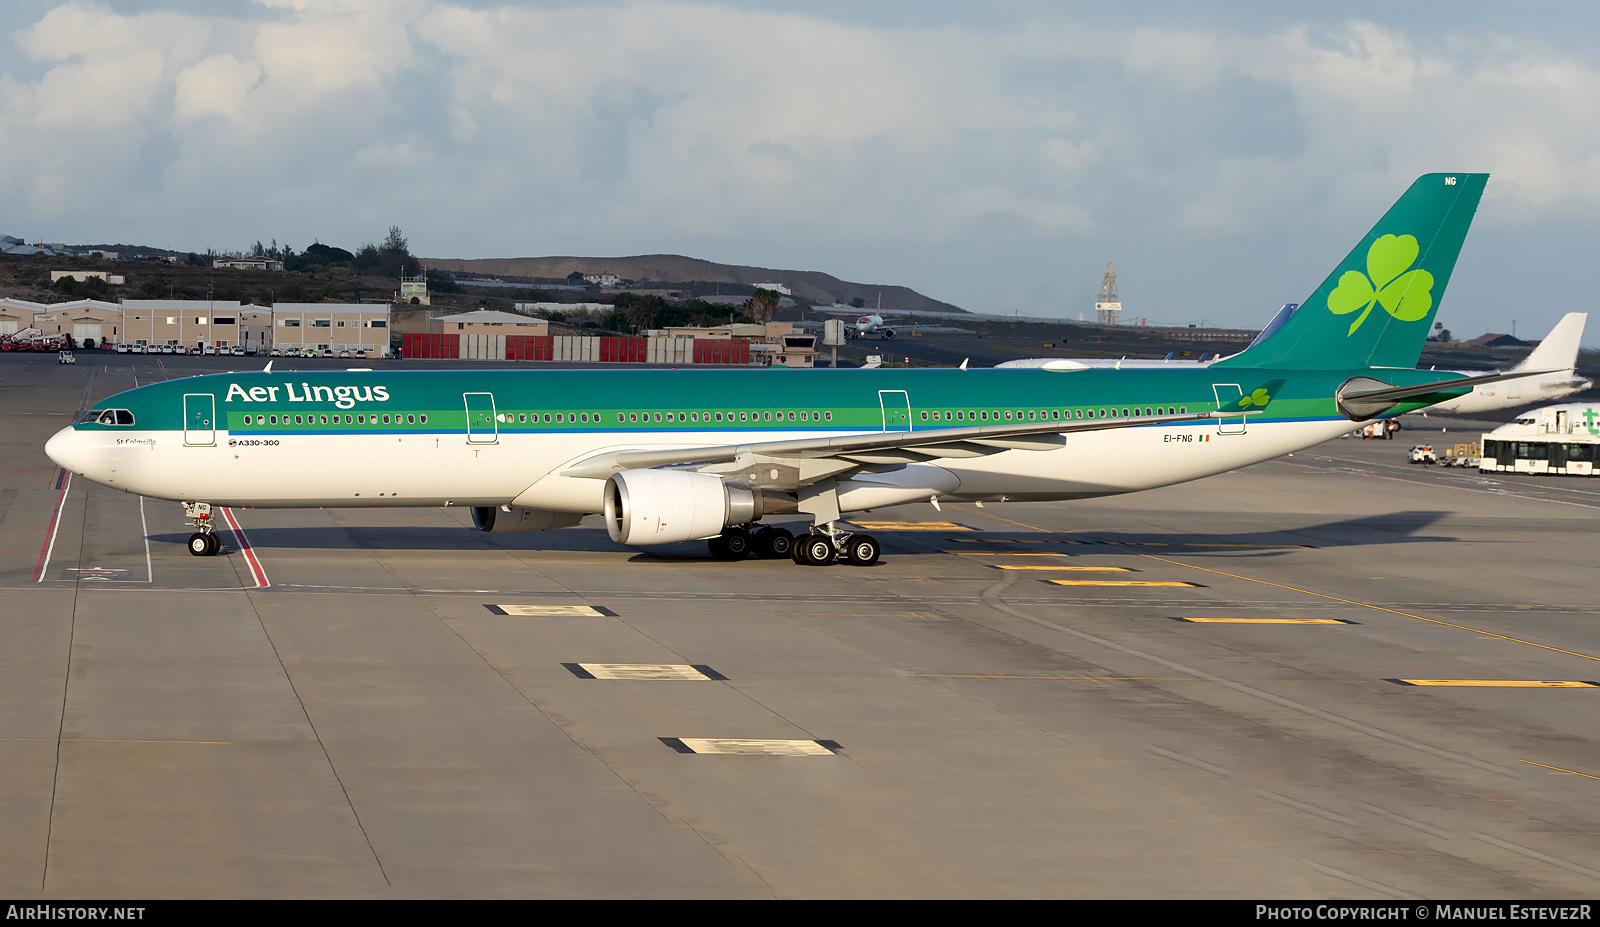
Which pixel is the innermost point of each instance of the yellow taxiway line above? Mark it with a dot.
(1266, 620)
(1505, 683)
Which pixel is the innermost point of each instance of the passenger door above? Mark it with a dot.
(481, 427)
(199, 419)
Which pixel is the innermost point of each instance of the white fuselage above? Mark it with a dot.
(1509, 394)
(311, 470)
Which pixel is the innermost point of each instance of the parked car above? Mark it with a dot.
(236, 351)
(1423, 454)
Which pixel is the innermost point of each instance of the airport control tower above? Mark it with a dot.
(1106, 306)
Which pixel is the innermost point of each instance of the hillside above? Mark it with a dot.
(813, 286)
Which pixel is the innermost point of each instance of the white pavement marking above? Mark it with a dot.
(643, 671)
(733, 746)
(150, 571)
(551, 611)
(55, 526)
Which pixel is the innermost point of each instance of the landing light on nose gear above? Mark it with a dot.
(204, 542)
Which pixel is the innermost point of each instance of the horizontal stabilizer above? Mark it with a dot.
(1360, 398)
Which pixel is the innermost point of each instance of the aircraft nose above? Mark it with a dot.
(67, 449)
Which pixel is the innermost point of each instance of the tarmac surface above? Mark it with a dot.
(377, 707)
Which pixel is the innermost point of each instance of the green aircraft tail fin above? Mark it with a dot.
(1376, 308)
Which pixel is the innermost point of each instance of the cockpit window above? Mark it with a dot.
(107, 417)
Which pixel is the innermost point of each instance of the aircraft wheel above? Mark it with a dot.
(774, 544)
(861, 550)
(735, 543)
(817, 549)
(200, 544)
(216, 544)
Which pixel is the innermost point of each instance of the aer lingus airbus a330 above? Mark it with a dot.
(676, 455)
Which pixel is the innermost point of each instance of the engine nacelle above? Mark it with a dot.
(514, 519)
(667, 506)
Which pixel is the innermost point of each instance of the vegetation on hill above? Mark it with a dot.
(370, 273)
(704, 278)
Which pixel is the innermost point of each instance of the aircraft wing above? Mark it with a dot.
(850, 452)
(857, 311)
(931, 329)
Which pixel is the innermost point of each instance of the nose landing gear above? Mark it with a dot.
(204, 542)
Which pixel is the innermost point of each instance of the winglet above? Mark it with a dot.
(268, 368)
(964, 362)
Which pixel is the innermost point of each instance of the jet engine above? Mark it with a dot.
(514, 519)
(666, 506)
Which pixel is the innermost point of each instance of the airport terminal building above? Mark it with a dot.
(83, 319)
(197, 324)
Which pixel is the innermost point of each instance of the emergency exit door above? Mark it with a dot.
(481, 427)
(896, 409)
(1229, 394)
(199, 419)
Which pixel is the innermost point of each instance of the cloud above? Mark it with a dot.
(765, 132)
(1372, 103)
(215, 87)
(1180, 60)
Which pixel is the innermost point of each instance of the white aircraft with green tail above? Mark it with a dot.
(677, 455)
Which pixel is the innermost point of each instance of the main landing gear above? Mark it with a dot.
(204, 542)
(765, 541)
(817, 548)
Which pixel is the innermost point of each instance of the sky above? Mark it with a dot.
(993, 155)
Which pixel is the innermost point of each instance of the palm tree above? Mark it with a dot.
(639, 312)
(762, 305)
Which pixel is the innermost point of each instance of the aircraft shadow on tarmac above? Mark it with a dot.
(1389, 528)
